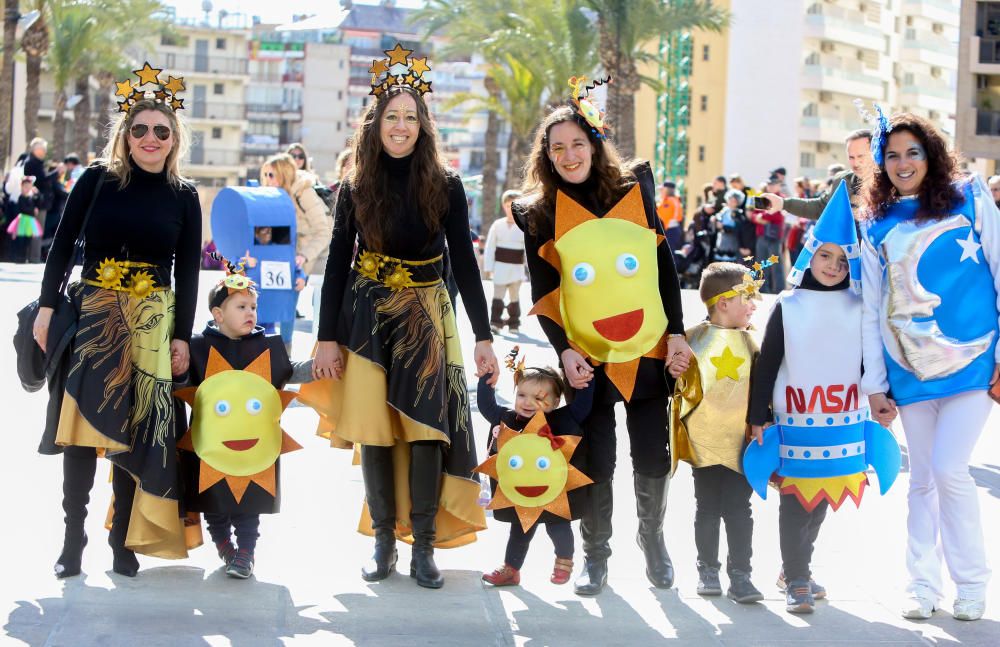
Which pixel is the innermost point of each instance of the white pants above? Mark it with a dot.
(511, 290)
(943, 502)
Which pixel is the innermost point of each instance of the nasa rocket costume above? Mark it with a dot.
(809, 372)
(930, 343)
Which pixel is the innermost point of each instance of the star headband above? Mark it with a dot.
(236, 280)
(753, 281)
(165, 93)
(586, 109)
(399, 70)
(880, 129)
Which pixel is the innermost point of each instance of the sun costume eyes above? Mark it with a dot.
(222, 408)
(254, 406)
(627, 264)
(584, 273)
(516, 462)
(543, 463)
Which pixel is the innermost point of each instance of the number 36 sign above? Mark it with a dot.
(275, 275)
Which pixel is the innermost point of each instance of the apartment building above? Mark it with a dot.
(978, 111)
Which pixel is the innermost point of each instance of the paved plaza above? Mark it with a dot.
(307, 589)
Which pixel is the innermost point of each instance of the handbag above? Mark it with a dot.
(33, 365)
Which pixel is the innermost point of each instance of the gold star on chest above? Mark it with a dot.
(727, 365)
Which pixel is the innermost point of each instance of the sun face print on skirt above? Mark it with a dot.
(532, 471)
(608, 300)
(235, 425)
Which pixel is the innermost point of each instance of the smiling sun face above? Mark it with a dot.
(235, 428)
(532, 471)
(608, 300)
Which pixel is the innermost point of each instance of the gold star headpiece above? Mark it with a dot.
(753, 281)
(236, 280)
(587, 110)
(399, 69)
(149, 86)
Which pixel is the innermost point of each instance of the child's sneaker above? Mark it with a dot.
(506, 575)
(708, 580)
(741, 589)
(818, 591)
(242, 565)
(968, 609)
(561, 571)
(798, 597)
(226, 551)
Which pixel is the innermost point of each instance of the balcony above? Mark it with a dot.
(214, 156)
(196, 63)
(988, 123)
(274, 109)
(929, 48)
(941, 11)
(989, 51)
(834, 24)
(217, 111)
(824, 129)
(848, 79)
(929, 96)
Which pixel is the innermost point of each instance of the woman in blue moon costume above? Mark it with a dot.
(931, 274)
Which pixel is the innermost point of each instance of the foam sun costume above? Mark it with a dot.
(597, 257)
(533, 471)
(235, 427)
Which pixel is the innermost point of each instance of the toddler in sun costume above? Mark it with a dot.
(808, 375)
(708, 424)
(537, 390)
(229, 457)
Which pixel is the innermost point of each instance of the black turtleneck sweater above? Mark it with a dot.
(148, 221)
(408, 239)
(772, 353)
(545, 278)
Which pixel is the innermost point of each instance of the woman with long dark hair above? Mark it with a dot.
(133, 328)
(609, 302)
(387, 333)
(931, 258)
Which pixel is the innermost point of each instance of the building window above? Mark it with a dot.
(701, 153)
(220, 43)
(807, 160)
(216, 133)
(704, 102)
(340, 95)
(704, 52)
(341, 63)
(219, 88)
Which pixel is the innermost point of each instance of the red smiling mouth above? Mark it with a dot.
(531, 491)
(620, 327)
(240, 445)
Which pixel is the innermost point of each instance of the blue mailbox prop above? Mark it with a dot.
(236, 211)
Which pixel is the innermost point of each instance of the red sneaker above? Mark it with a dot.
(504, 576)
(561, 571)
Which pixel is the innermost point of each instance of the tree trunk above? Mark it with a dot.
(620, 105)
(491, 160)
(81, 118)
(7, 78)
(102, 120)
(57, 147)
(32, 95)
(518, 149)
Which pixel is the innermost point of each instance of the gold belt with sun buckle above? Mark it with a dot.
(396, 273)
(134, 277)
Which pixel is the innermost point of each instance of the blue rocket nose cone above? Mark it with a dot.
(761, 461)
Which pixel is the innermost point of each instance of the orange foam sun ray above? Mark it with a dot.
(569, 214)
(547, 252)
(623, 375)
(548, 306)
(217, 364)
(630, 208)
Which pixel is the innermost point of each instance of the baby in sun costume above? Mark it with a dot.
(229, 456)
(537, 481)
(807, 382)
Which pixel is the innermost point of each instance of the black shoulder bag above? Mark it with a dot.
(34, 366)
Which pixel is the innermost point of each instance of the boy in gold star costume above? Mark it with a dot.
(708, 426)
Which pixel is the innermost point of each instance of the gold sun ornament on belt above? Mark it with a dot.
(368, 264)
(399, 69)
(149, 86)
(399, 278)
(110, 274)
(141, 284)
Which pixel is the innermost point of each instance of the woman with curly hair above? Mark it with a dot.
(931, 258)
(133, 332)
(571, 170)
(388, 339)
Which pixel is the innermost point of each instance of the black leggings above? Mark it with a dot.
(245, 525)
(560, 533)
(797, 531)
(646, 421)
(720, 493)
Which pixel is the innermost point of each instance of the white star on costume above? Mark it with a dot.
(970, 249)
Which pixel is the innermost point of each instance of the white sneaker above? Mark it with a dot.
(966, 609)
(919, 606)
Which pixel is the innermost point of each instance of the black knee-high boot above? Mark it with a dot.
(595, 528)
(123, 485)
(513, 316)
(425, 490)
(79, 467)
(496, 315)
(651, 506)
(376, 466)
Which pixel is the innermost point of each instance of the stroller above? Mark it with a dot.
(692, 258)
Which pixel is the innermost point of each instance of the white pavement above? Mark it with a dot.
(307, 590)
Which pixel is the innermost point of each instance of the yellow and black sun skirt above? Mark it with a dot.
(404, 382)
(118, 395)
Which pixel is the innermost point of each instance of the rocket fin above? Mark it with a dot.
(882, 453)
(761, 461)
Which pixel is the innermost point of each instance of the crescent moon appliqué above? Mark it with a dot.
(912, 336)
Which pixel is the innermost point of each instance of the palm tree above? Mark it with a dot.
(624, 27)
(11, 11)
(35, 44)
(74, 28)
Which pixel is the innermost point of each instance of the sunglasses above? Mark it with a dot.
(269, 175)
(138, 131)
(298, 156)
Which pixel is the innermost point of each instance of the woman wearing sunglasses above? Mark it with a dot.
(133, 331)
(300, 156)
